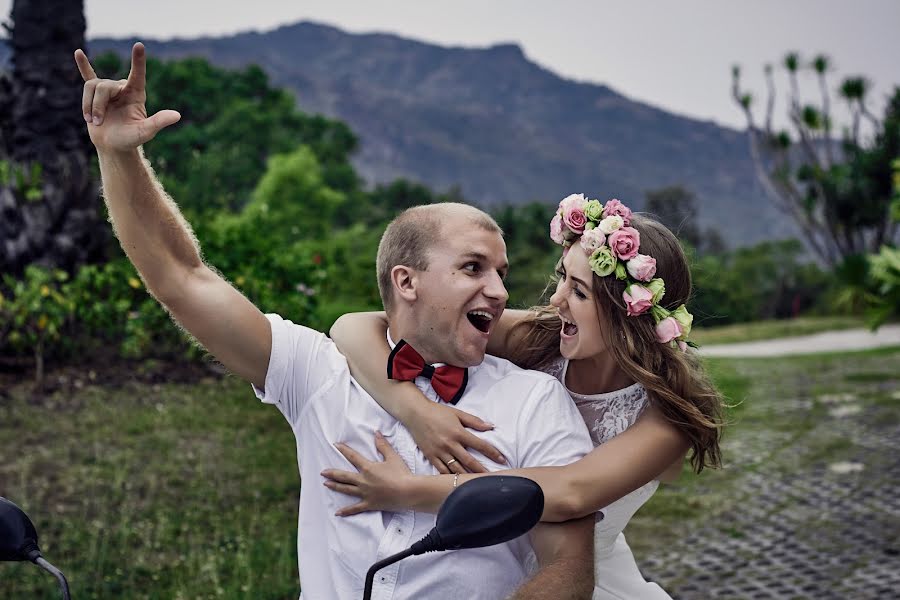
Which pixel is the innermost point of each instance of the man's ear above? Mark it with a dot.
(405, 281)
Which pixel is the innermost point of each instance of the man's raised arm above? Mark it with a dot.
(153, 232)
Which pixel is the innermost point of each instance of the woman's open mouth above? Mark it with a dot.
(569, 328)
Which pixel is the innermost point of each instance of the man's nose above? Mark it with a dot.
(496, 289)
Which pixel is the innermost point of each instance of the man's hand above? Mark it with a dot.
(115, 110)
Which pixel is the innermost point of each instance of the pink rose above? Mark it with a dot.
(575, 220)
(571, 202)
(625, 242)
(556, 229)
(592, 239)
(642, 267)
(614, 207)
(637, 299)
(667, 330)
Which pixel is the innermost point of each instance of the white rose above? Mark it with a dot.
(610, 224)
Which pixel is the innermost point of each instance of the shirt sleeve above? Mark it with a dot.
(551, 430)
(302, 362)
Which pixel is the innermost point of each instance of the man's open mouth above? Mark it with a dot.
(481, 320)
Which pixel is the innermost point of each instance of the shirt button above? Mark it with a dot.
(400, 531)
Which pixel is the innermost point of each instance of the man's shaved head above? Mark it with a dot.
(410, 237)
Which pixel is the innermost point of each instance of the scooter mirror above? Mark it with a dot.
(488, 511)
(18, 537)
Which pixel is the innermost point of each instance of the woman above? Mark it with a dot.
(615, 336)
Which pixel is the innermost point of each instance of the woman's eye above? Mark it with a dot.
(561, 274)
(580, 295)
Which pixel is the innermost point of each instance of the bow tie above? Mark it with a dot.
(405, 364)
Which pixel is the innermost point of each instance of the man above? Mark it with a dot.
(447, 303)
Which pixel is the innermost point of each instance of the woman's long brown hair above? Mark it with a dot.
(676, 381)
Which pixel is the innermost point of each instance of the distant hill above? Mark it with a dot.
(499, 126)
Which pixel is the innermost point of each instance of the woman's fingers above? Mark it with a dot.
(343, 488)
(438, 463)
(354, 509)
(384, 447)
(341, 476)
(465, 462)
(356, 459)
(472, 421)
(470, 440)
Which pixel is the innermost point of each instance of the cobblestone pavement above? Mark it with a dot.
(811, 508)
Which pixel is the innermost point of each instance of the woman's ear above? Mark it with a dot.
(405, 282)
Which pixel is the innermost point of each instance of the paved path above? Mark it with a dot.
(808, 504)
(829, 341)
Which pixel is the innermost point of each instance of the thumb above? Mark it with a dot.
(472, 421)
(161, 120)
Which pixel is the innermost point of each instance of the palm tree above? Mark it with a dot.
(49, 202)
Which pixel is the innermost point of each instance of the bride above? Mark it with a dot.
(615, 334)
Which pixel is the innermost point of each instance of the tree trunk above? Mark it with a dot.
(54, 219)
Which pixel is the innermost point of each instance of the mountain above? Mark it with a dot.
(499, 126)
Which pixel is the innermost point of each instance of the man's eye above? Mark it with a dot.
(473, 267)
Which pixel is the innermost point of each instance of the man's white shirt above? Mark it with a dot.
(536, 424)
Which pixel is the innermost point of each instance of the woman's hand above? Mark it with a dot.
(440, 432)
(378, 485)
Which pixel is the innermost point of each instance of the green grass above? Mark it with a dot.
(765, 330)
(166, 491)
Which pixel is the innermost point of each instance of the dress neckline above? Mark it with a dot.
(601, 396)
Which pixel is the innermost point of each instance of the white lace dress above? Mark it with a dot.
(616, 574)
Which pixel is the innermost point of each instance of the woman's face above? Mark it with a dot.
(574, 298)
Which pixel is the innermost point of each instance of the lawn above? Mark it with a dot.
(149, 490)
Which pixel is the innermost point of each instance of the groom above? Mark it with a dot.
(448, 292)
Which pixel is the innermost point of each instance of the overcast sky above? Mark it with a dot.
(673, 54)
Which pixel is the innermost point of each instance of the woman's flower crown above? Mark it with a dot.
(612, 246)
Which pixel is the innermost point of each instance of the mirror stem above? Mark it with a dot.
(63, 584)
(370, 576)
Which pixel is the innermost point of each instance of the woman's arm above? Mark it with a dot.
(506, 335)
(608, 473)
(439, 430)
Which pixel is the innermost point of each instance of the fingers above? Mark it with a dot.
(384, 447)
(343, 488)
(439, 464)
(160, 121)
(340, 476)
(356, 459)
(104, 92)
(87, 99)
(84, 65)
(465, 462)
(354, 509)
(474, 442)
(472, 421)
(137, 77)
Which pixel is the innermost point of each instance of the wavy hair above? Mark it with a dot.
(676, 381)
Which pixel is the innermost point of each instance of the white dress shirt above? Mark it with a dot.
(310, 383)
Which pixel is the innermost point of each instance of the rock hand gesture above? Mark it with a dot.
(115, 111)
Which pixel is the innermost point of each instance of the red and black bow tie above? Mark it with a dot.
(405, 364)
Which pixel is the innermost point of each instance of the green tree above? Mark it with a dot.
(232, 122)
(839, 194)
